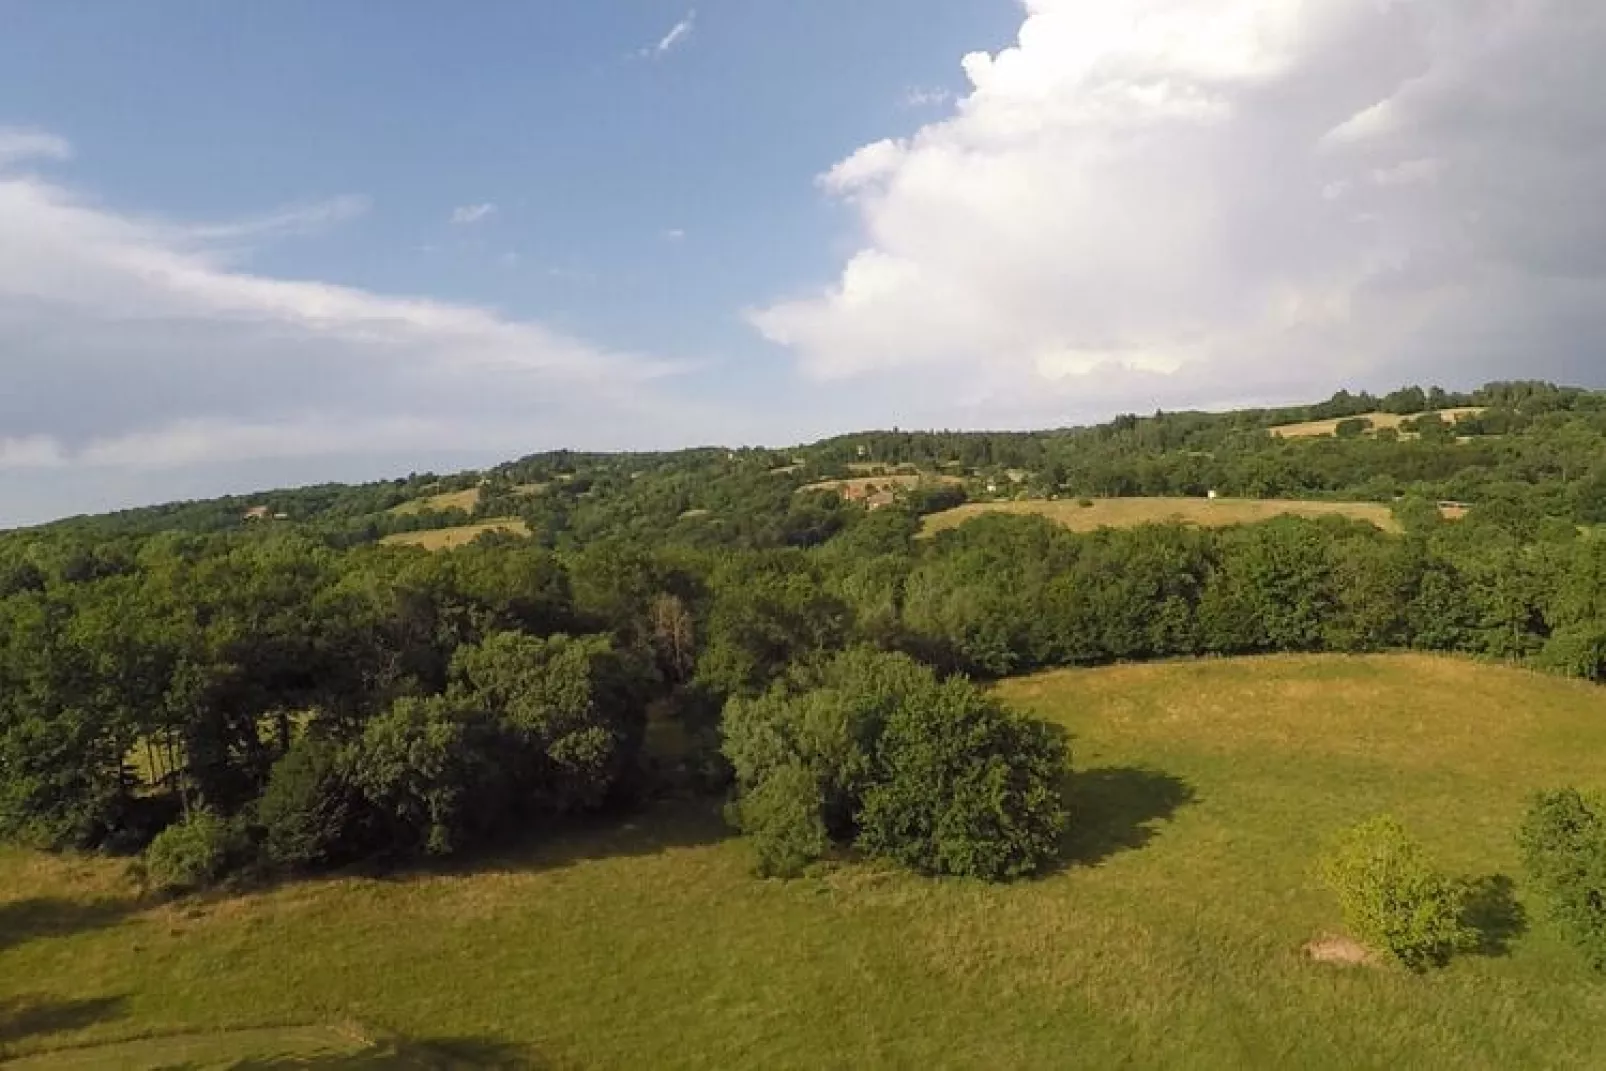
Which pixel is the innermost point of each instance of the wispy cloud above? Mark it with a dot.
(26, 144)
(131, 342)
(468, 215)
(295, 219)
(674, 234)
(677, 36)
(925, 97)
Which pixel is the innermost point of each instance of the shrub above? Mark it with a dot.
(872, 749)
(965, 786)
(1563, 840)
(1085, 503)
(1393, 899)
(782, 816)
(190, 854)
(310, 814)
(1577, 650)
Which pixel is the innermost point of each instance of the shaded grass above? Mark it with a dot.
(22, 1017)
(461, 536)
(1171, 938)
(40, 917)
(1130, 512)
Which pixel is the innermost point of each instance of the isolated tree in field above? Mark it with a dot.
(965, 786)
(1394, 900)
(1563, 841)
(872, 749)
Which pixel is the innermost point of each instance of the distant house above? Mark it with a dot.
(258, 513)
(880, 500)
(1213, 495)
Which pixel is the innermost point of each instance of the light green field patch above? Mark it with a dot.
(463, 500)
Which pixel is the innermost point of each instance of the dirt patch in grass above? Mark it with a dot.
(1339, 951)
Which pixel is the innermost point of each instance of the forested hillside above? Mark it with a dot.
(268, 682)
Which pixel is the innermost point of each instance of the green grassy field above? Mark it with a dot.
(1130, 512)
(463, 500)
(858, 486)
(451, 538)
(1170, 938)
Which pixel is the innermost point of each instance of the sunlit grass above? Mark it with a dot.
(461, 536)
(1088, 515)
(1314, 428)
(464, 500)
(1171, 938)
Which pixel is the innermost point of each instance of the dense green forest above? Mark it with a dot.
(285, 692)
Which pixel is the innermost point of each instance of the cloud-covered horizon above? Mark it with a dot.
(1207, 201)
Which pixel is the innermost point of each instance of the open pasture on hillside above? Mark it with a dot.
(1131, 512)
(1312, 429)
(461, 536)
(463, 500)
(1171, 936)
(861, 486)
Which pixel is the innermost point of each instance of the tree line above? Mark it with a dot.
(293, 696)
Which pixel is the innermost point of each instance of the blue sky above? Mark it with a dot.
(591, 152)
(244, 245)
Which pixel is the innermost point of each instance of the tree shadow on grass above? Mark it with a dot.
(1494, 915)
(432, 1054)
(651, 829)
(25, 1017)
(1117, 809)
(26, 920)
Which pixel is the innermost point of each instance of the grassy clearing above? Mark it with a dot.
(1171, 938)
(878, 468)
(452, 538)
(463, 500)
(859, 486)
(1130, 512)
(1315, 428)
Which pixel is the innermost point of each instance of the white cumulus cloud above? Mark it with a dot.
(1211, 200)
